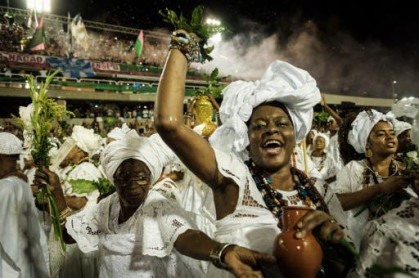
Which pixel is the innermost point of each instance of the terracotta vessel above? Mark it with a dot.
(297, 257)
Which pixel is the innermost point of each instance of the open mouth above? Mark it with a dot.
(272, 146)
(391, 144)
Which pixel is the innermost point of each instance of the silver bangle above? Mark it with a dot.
(216, 255)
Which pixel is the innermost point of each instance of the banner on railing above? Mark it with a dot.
(106, 66)
(17, 58)
(77, 67)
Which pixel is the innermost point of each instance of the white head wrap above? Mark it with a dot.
(362, 125)
(146, 149)
(119, 132)
(325, 136)
(86, 139)
(400, 127)
(282, 82)
(10, 144)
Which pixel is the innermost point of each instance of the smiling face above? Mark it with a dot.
(382, 140)
(271, 136)
(132, 181)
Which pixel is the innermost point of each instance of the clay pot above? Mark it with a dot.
(297, 257)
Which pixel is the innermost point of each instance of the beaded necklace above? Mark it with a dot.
(383, 202)
(274, 199)
(370, 172)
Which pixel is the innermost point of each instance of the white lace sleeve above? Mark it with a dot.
(86, 226)
(163, 219)
(231, 166)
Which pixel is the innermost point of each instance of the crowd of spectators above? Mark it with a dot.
(15, 35)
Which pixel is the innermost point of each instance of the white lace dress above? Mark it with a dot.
(350, 179)
(391, 240)
(143, 245)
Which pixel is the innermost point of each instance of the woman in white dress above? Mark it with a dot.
(383, 231)
(262, 120)
(321, 158)
(138, 231)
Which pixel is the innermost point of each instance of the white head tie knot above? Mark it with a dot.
(282, 82)
(362, 125)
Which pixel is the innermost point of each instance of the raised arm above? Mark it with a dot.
(194, 151)
(332, 112)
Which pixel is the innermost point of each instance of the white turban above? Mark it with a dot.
(362, 125)
(400, 127)
(148, 150)
(282, 82)
(325, 137)
(119, 132)
(86, 139)
(10, 144)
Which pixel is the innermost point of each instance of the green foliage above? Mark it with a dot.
(214, 87)
(196, 25)
(46, 114)
(82, 186)
(104, 186)
(320, 120)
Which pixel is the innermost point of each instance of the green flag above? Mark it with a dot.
(38, 40)
(138, 47)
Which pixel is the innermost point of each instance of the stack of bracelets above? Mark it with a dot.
(188, 44)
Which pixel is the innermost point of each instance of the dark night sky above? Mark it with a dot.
(356, 47)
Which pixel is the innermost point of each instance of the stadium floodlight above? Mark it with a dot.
(216, 38)
(39, 5)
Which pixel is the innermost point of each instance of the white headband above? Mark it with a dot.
(282, 82)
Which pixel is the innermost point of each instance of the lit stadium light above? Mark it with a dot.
(213, 21)
(217, 37)
(39, 5)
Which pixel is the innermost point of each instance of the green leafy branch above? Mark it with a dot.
(196, 25)
(46, 113)
(214, 85)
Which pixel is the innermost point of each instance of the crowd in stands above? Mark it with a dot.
(102, 45)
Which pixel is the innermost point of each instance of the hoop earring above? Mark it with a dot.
(368, 153)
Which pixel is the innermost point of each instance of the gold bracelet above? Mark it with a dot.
(65, 213)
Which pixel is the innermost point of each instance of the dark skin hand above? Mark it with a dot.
(53, 181)
(245, 263)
